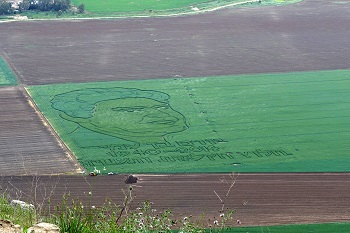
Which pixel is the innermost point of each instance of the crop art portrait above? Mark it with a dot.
(142, 116)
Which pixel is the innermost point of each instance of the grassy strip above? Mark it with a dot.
(163, 5)
(132, 6)
(289, 122)
(116, 9)
(302, 228)
(7, 77)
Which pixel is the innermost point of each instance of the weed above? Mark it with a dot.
(72, 216)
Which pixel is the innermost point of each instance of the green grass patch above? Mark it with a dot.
(148, 8)
(303, 228)
(26, 217)
(131, 5)
(161, 7)
(287, 122)
(7, 77)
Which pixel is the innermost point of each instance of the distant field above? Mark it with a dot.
(288, 122)
(129, 8)
(160, 5)
(6, 75)
(304, 228)
(131, 5)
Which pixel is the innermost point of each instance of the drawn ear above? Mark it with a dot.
(74, 119)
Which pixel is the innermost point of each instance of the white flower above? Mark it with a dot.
(216, 222)
(93, 207)
(222, 215)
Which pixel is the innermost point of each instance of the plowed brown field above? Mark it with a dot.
(311, 35)
(27, 147)
(259, 199)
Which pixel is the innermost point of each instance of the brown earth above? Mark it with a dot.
(259, 199)
(27, 147)
(311, 35)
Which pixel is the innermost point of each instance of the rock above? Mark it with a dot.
(131, 179)
(44, 228)
(7, 227)
(22, 204)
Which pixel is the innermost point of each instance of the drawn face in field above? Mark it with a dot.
(130, 114)
(135, 117)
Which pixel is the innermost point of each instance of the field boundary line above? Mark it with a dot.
(69, 154)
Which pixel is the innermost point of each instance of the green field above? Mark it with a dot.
(288, 122)
(304, 228)
(6, 75)
(165, 6)
(131, 5)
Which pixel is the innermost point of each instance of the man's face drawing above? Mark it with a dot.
(136, 117)
(130, 114)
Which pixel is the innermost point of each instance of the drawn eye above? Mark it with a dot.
(127, 109)
(121, 109)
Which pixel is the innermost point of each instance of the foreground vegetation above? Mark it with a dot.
(72, 216)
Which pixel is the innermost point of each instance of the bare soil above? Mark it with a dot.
(27, 147)
(259, 199)
(311, 35)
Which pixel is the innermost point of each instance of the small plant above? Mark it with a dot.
(115, 218)
(81, 8)
(72, 216)
(26, 217)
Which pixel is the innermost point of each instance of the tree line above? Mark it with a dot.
(39, 5)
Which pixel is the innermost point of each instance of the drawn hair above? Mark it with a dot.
(81, 103)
